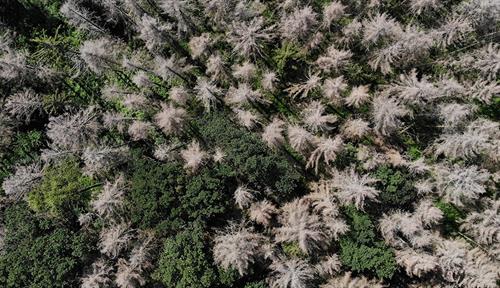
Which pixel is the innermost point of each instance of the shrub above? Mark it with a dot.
(207, 194)
(26, 145)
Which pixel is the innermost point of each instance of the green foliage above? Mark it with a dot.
(51, 7)
(294, 154)
(153, 191)
(51, 50)
(259, 284)
(26, 145)
(491, 110)
(347, 157)
(287, 58)
(250, 159)
(207, 194)
(451, 217)
(361, 226)
(362, 73)
(376, 258)
(51, 47)
(361, 251)
(228, 277)
(280, 102)
(185, 261)
(292, 249)
(23, 150)
(164, 196)
(413, 151)
(84, 90)
(269, 14)
(79, 92)
(395, 186)
(64, 191)
(40, 254)
(320, 3)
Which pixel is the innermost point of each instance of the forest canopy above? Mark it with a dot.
(249, 143)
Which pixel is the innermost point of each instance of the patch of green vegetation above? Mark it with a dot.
(64, 191)
(164, 197)
(250, 159)
(186, 262)
(414, 153)
(51, 48)
(85, 90)
(361, 251)
(451, 217)
(347, 157)
(40, 253)
(491, 110)
(413, 150)
(320, 3)
(259, 284)
(294, 154)
(269, 14)
(26, 145)
(23, 150)
(228, 277)
(361, 73)
(395, 186)
(51, 7)
(292, 249)
(287, 58)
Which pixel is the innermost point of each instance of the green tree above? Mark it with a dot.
(361, 251)
(259, 284)
(292, 249)
(288, 59)
(185, 261)
(395, 186)
(452, 216)
(250, 159)
(39, 253)
(64, 191)
(23, 150)
(162, 195)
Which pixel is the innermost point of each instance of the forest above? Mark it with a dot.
(249, 143)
